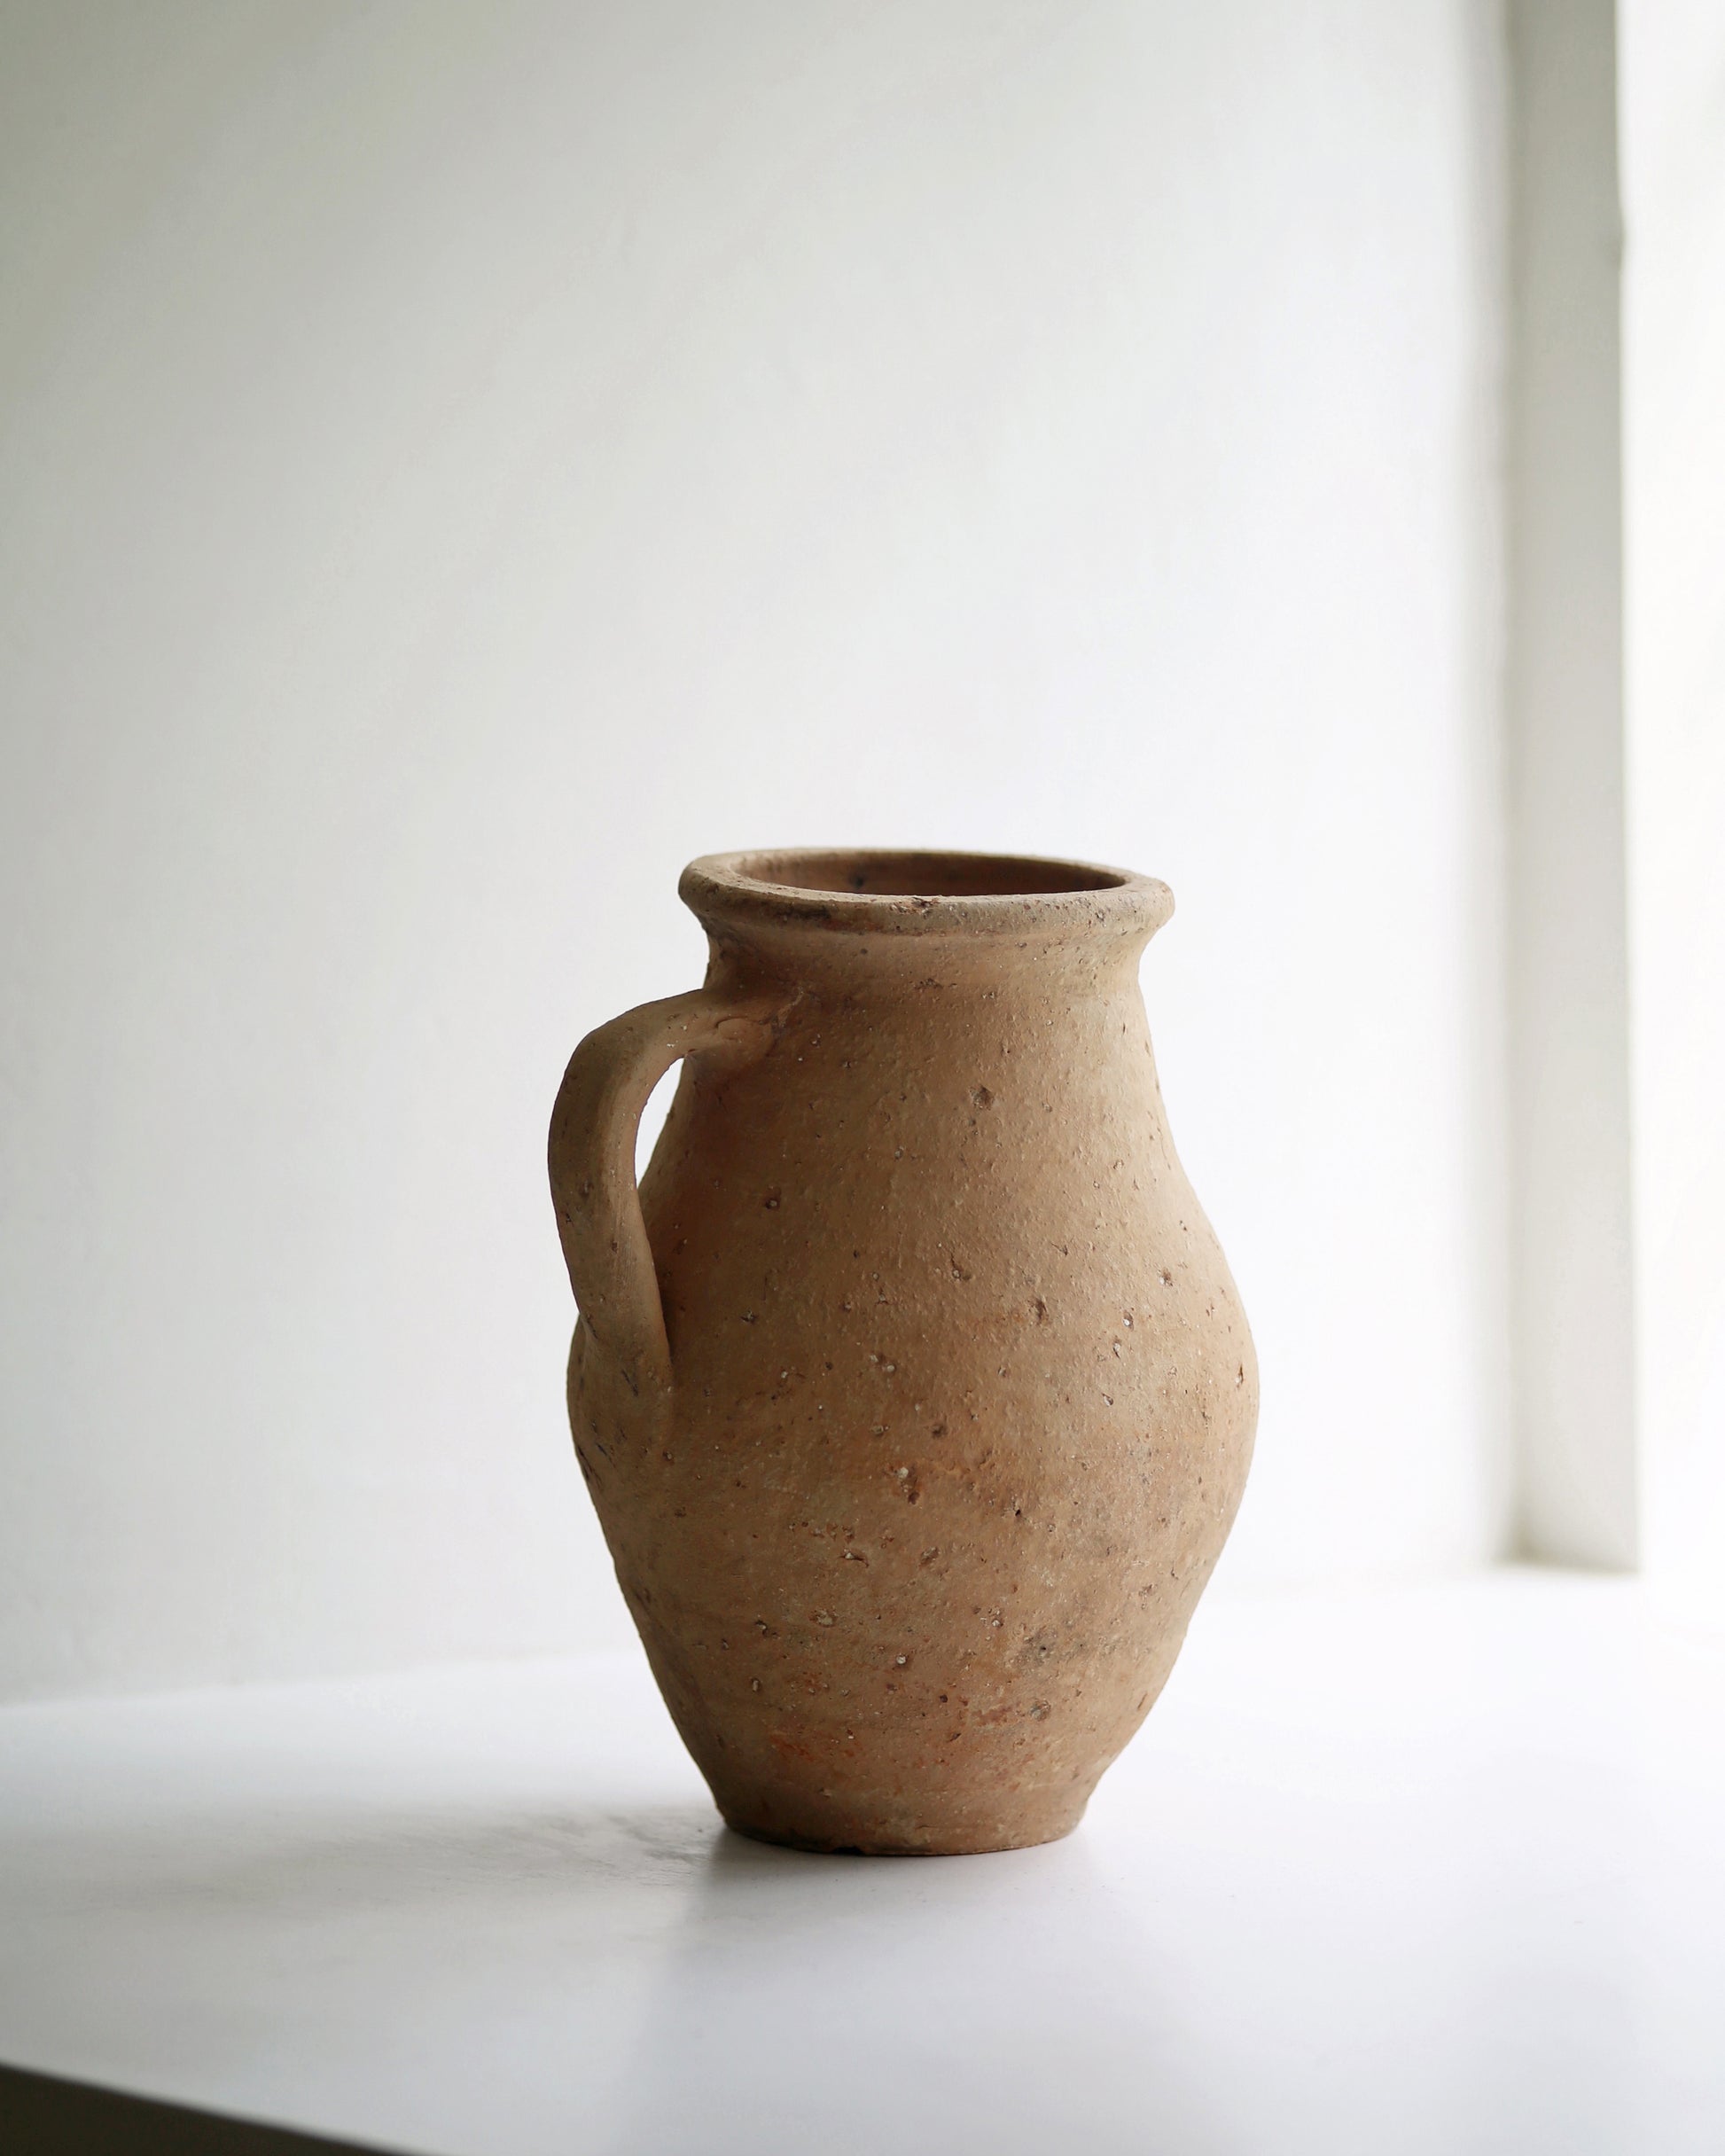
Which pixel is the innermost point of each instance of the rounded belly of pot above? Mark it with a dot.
(920, 1544)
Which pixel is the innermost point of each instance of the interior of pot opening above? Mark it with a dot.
(886, 875)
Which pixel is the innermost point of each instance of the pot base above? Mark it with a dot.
(978, 1841)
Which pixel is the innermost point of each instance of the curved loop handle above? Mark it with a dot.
(592, 1165)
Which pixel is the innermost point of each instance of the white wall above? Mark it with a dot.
(458, 462)
(1673, 166)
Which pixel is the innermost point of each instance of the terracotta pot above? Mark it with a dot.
(912, 1389)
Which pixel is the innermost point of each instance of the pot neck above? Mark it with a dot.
(906, 917)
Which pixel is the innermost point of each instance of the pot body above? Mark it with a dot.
(960, 1395)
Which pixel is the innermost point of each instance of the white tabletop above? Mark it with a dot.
(1396, 1872)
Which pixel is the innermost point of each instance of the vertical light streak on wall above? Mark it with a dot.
(1674, 167)
(1574, 1330)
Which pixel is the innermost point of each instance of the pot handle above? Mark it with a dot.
(592, 1163)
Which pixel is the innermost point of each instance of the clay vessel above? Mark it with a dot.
(911, 1388)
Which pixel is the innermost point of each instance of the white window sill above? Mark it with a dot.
(1436, 1870)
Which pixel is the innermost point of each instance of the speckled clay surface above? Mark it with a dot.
(918, 1409)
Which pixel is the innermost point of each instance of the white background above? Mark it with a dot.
(457, 462)
(1672, 64)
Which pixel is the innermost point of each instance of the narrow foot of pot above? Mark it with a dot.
(1025, 1830)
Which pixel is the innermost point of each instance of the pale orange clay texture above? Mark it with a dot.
(913, 1391)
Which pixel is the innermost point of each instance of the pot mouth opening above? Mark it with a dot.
(908, 892)
(908, 875)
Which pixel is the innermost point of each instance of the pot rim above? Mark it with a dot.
(914, 891)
